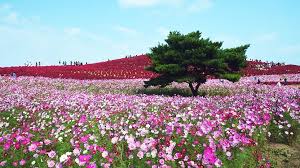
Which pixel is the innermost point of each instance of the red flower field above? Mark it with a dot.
(129, 68)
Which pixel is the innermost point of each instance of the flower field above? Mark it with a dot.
(79, 123)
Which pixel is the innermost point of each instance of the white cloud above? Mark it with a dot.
(200, 5)
(229, 41)
(147, 3)
(30, 42)
(5, 7)
(266, 38)
(291, 49)
(138, 3)
(163, 31)
(74, 31)
(185, 5)
(126, 30)
(11, 18)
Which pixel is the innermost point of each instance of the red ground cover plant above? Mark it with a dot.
(129, 68)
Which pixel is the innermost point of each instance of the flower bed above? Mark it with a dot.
(52, 122)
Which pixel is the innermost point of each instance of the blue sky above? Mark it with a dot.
(97, 30)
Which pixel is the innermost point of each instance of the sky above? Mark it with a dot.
(91, 31)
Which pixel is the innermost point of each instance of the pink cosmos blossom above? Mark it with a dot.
(161, 161)
(84, 139)
(91, 165)
(85, 158)
(82, 119)
(51, 154)
(140, 154)
(47, 141)
(15, 164)
(22, 162)
(209, 156)
(3, 163)
(6, 146)
(50, 163)
(32, 147)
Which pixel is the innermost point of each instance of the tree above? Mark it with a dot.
(192, 59)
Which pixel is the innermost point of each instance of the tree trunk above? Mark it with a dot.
(194, 89)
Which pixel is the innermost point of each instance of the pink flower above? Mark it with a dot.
(140, 154)
(50, 163)
(209, 156)
(91, 165)
(47, 141)
(51, 154)
(82, 119)
(6, 146)
(84, 139)
(1, 139)
(267, 117)
(15, 164)
(17, 146)
(85, 158)
(3, 163)
(32, 147)
(22, 162)
(106, 165)
(100, 149)
(131, 146)
(161, 161)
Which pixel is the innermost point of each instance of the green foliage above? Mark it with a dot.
(240, 159)
(192, 59)
(284, 133)
(231, 77)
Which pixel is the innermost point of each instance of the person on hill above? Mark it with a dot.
(258, 81)
(14, 75)
(285, 81)
(279, 82)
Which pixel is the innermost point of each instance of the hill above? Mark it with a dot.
(129, 68)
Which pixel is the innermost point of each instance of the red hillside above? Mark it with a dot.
(129, 68)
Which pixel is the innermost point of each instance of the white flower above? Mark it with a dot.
(68, 153)
(269, 134)
(63, 158)
(60, 139)
(104, 154)
(153, 153)
(228, 154)
(76, 152)
(114, 140)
